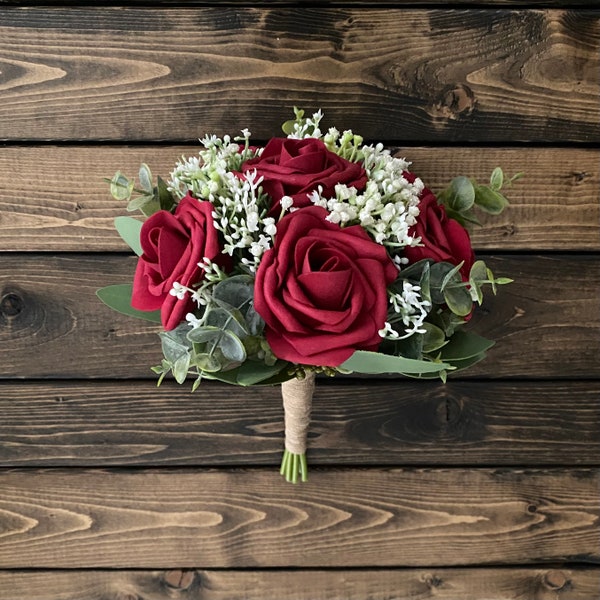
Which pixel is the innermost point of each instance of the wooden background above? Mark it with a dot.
(486, 488)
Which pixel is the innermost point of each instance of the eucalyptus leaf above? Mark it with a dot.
(452, 276)
(433, 338)
(363, 361)
(206, 363)
(459, 300)
(204, 335)
(490, 200)
(497, 179)
(180, 367)
(172, 349)
(120, 187)
(129, 229)
(139, 202)
(463, 345)
(232, 347)
(462, 194)
(237, 291)
(118, 297)
(229, 319)
(288, 127)
(145, 176)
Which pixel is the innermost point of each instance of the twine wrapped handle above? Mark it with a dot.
(297, 403)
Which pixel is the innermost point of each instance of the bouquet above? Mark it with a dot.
(313, 254)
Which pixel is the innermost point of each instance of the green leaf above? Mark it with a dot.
(373, 362)
(251, 372)
(433, 339)
(206, 363)
(236, 291)
(459, 300)
(118, 297)
(489, 200)
(462, 194)
(203, 335)
(145, 176)
(120, 187)
(478, 274)
(173, 348)
(139, 202)
(463, 345)
(497, 179)
(129, 229)
(452, 276)
(165, 199)
(181, 367)
(288, 126)
(227, 318)
(232, 347)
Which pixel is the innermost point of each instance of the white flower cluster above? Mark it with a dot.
(239, 207)
(308, 128)
(388, 206)
(410, 309)
(204, 175)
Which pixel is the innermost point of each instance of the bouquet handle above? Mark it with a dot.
(297, 404)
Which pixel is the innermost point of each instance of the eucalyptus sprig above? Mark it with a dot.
(148, 198)
(464, 194)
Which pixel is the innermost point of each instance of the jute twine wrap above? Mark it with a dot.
(297, 403)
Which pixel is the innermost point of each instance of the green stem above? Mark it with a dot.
(294, 466)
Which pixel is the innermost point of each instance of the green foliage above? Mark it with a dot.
(226, 343)
(464, 194)
(129, 229)
(118, 297)
(148, 198)
(374, 362)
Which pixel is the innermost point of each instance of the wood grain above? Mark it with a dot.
(417, 75)
(353, 423)
(63, 204)
(552, 583)
(340, 518)
(545, 324)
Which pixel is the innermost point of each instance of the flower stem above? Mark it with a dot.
(294, 466)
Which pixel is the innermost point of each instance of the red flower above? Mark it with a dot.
(442, 238)
(321, 289)
(173, 245)
(295, 168)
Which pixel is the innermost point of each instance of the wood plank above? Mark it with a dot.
(64, 205)
(415, 75)
(354, 423)
(53, 326)
(339, 518)
(550, 583)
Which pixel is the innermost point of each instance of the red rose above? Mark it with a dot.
(321, 289)
(442, 238)
(294, 168)
(173, 245)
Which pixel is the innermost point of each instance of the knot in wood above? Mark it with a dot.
(556, 580)
(11, 304)
(179, 579)
(455, 101)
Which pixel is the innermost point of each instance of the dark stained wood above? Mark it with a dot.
(546, 323)
(63, 204)
(415, 75)
(339, 518)
(355, 423)
(551, 583)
